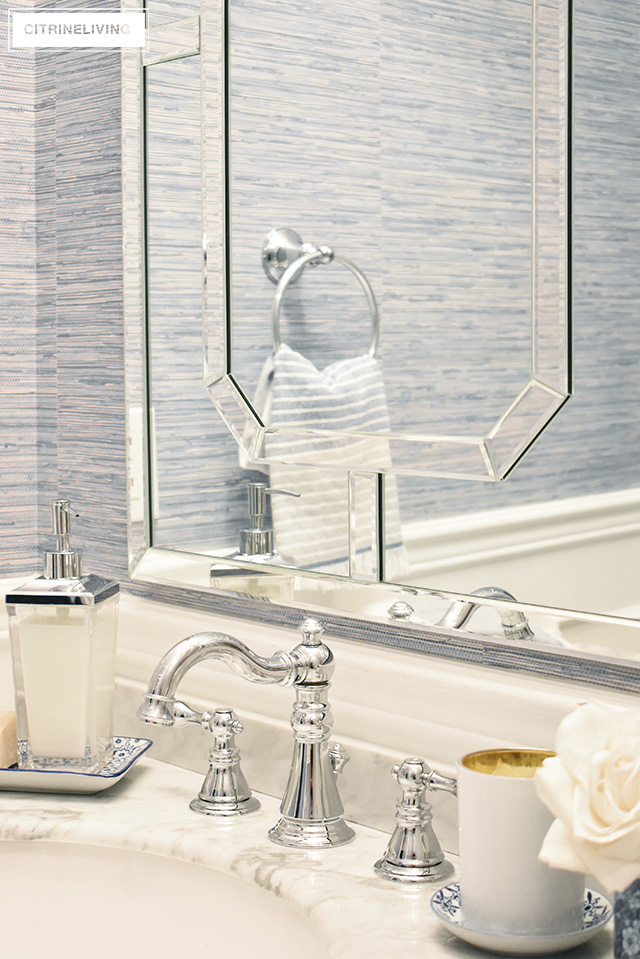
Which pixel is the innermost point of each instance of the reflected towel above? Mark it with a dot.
(347, 395)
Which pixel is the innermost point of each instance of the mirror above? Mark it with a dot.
(425, 149)
(458, 219)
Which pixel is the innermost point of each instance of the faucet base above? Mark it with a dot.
(399, 872)
(224, 807)
(311, 835)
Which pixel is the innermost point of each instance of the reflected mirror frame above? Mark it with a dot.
(490, 457)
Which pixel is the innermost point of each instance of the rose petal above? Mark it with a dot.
(630, 793)
(554, 787)
(622, 845)
(593, 789)
(586, 825)
(615, 874)
(603, 786)
(584, 733)
(559, 851)
(613, 795)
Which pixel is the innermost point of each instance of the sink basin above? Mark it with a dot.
(67, 900)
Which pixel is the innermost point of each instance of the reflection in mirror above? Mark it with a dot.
(173, 260)
(437, 193)
(441, 227)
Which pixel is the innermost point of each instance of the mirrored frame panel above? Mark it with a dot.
(417, 448)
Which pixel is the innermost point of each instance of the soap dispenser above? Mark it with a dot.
(257, 545)
(63, 641)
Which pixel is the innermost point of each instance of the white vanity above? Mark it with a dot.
(387, 705)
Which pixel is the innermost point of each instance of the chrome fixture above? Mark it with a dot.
(401, 611)
(225, 791)
(414, 853)
(257, 544)
(63, 562)
(514, 623)
(284, 257)
(311, 809)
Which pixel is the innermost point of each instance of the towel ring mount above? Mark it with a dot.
(285, 255)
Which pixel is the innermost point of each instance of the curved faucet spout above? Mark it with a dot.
(514, 622)
(157, 708)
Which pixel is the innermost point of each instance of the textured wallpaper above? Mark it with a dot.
(18, 353)
(62, 367)
(63, 428)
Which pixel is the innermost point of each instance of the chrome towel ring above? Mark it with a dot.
(284, 257)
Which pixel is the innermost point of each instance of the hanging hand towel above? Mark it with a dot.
(348, 395)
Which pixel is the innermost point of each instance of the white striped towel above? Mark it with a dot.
(347, 395)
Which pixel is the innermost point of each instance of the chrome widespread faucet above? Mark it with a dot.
(311, 809)
(514, 623)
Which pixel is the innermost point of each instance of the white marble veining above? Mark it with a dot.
(353, 911)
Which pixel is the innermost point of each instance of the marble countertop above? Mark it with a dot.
(356, 913)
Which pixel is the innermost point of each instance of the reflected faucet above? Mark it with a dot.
(514, 622)
(311, 809)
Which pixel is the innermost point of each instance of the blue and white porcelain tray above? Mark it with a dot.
(596, 913)
(125, 753)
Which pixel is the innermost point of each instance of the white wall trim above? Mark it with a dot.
(519, 530)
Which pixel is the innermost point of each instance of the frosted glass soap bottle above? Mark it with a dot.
(63, 641)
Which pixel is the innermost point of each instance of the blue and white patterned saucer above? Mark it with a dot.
(596, 913)
(125, 753)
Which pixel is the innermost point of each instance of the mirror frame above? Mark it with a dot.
(169, 576)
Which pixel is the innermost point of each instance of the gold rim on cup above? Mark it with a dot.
(498, 762)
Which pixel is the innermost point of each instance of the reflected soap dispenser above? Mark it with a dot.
(257, 545)
(63, 642)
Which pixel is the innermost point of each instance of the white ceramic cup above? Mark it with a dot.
(504, 888)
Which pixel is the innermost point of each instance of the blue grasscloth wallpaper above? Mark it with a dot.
(62, 402)
(62, 413)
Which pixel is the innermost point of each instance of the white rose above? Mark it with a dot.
(592, 786)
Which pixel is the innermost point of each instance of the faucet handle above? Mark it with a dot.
(339, 757)
(224, 726)
(311, 631)
(436, 781)
(181, 713)
(414, 853)
(224, 791)
(415, 775)
(222, 722)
